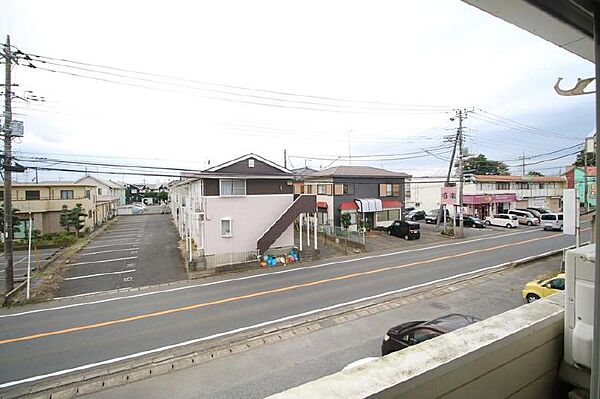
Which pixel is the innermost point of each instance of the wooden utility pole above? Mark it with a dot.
(8, 227)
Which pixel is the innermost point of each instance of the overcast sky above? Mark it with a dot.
(405, 65)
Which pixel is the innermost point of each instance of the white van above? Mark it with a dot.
(503, 220)
(552, 221)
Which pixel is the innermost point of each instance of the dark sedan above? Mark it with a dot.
(472, 221)
(415, 332)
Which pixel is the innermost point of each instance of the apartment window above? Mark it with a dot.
(396, 190)
(308, 189)
(321, 189)
(503, 186)
(349, 189)
(338, 189)
(99, 190)
(233, 187)
(226, 230)
(32, 194)
(522, 186)
(88, 194)
(251, 163)
(66, 194)
(389, 190)
(407, 190)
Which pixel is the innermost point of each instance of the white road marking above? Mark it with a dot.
(112, 245)
(108, 251)
(241, 329)
(103, 261)
(98, 275)
(117, 238)
(86, 294)
(263, 275)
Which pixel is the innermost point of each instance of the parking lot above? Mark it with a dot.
(378, 240)
(135, 251)
(38, 258)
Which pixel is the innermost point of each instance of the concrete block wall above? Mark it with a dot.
(515, 354)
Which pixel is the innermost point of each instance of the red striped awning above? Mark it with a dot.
(348, 206)
(321, 204)
(392, 204)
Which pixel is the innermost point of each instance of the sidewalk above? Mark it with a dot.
(278, 366)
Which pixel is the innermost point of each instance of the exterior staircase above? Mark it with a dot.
(305, 203)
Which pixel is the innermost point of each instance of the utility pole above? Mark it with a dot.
(442, 212)
(285, 158)
(462, 115)
(8, 227)
(523, 170)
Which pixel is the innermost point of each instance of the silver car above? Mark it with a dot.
(552, 221)
(525, 217)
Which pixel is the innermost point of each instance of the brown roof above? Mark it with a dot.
(357, 171)
(501, 178)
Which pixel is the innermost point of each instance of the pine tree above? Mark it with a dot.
(74, 217)
(64, 218)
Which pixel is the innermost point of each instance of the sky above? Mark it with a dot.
(331, 83)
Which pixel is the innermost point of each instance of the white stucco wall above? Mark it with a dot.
(251, 216)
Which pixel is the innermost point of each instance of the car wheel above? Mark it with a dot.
(508, 225)
(545, 229)
(406, 237)
(488, 222)
(389, 233)
(532, 298)
(530, 223)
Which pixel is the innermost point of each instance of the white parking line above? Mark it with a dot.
(110, 250)
(116, 238)
(241, 329)
(98, 275)
(112, 245)
(262, 275)
(103, 261)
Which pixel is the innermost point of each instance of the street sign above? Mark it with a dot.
(16, 128)
(590, 144)
(448, 196)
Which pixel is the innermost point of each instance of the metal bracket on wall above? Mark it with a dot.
(578, 90)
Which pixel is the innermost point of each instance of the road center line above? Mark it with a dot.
(241, 329)
(262, 275)
(98, 275)
(259, 293)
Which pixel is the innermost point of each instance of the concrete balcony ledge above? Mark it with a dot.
(516, 353)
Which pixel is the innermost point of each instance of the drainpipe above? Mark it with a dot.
(315, 235)
(300, 232)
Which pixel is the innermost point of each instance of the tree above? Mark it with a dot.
(64, 218)
(591, 158)
(534, 173)
(15, 219)
(74, 217)
(480, 165)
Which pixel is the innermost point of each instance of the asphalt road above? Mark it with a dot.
(285, 364)
(39, 340)
(135, 251)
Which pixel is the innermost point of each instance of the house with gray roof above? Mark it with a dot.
(369, 196)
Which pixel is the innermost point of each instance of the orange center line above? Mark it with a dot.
(258, 294)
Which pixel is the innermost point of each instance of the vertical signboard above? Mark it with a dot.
(448, 196)
(570, 210)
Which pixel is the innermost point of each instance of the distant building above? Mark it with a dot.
(111, 193)
(370, 196)
(576, 178)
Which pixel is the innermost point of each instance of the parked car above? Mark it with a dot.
(537, 289)
(525, 217)
(432, 216)
(552, 221)
(415, 215)
(404, 229)
(471, 221)
(502, 219)
(532, 211)
(540, 210)
(414, 332)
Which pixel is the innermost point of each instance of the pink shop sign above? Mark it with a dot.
(489, 198)
(448, 196)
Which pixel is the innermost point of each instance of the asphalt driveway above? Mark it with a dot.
(135, 251)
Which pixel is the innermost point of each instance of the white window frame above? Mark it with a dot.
(233, 194)
(226, 219)
(250, 163)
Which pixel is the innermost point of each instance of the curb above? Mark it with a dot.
(102, 377)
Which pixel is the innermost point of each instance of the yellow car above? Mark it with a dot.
(537, 289)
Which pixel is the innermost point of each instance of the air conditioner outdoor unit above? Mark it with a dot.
(579, 309)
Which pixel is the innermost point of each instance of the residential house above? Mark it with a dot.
(109, 193)
(237, 210)
(45, 201)
(370, 196)
(133, 193)
(488, 194)
(577, 178)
